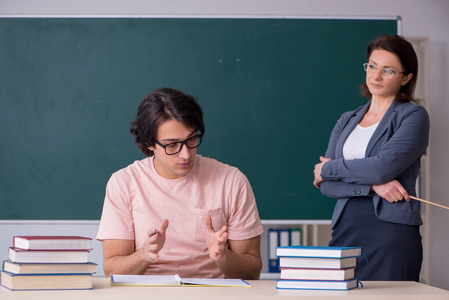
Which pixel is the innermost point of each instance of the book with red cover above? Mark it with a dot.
(52, 243)
(317, 274)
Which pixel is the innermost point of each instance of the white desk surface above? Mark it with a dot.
(261, 289)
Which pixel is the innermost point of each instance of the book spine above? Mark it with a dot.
(295, 237)
(273, 243)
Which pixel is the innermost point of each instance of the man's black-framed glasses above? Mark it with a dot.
(175, 147)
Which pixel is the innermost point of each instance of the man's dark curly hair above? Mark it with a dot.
(160, 106)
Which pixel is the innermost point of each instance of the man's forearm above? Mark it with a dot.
(129, 264)
(244, 266)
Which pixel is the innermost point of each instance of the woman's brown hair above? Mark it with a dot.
(403, 49)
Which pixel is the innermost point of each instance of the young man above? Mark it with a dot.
(176, 211)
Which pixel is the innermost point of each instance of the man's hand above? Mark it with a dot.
(216, 242)
(155, 242)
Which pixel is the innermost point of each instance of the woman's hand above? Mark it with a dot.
(391, 191)
(317, 171)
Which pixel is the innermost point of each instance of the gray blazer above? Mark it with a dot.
(394, 152)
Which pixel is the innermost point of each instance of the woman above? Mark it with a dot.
(371, 166)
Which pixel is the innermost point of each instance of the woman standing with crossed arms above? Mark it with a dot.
(372, 163)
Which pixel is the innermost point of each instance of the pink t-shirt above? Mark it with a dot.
(138, 199)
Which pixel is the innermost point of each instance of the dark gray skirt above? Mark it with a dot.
(393, 251)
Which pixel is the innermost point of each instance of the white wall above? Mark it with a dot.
(428, 18)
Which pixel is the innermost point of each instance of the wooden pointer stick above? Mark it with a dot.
(425, 201)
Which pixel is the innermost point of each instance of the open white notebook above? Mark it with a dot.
(173, 280)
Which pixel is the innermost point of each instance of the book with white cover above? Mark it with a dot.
(173, 280)
(317, 263)
(45, 256)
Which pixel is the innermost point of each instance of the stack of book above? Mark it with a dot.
(320, 268)
(48, 262)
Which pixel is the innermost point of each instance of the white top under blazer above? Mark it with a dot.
(356, 143)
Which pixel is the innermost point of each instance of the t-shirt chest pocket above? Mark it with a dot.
(218, 221)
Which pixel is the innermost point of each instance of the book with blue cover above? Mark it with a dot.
(314, 251)
(317, 284)
(19, 282)
(48, 268)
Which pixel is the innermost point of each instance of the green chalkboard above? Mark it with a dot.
(271, 91)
